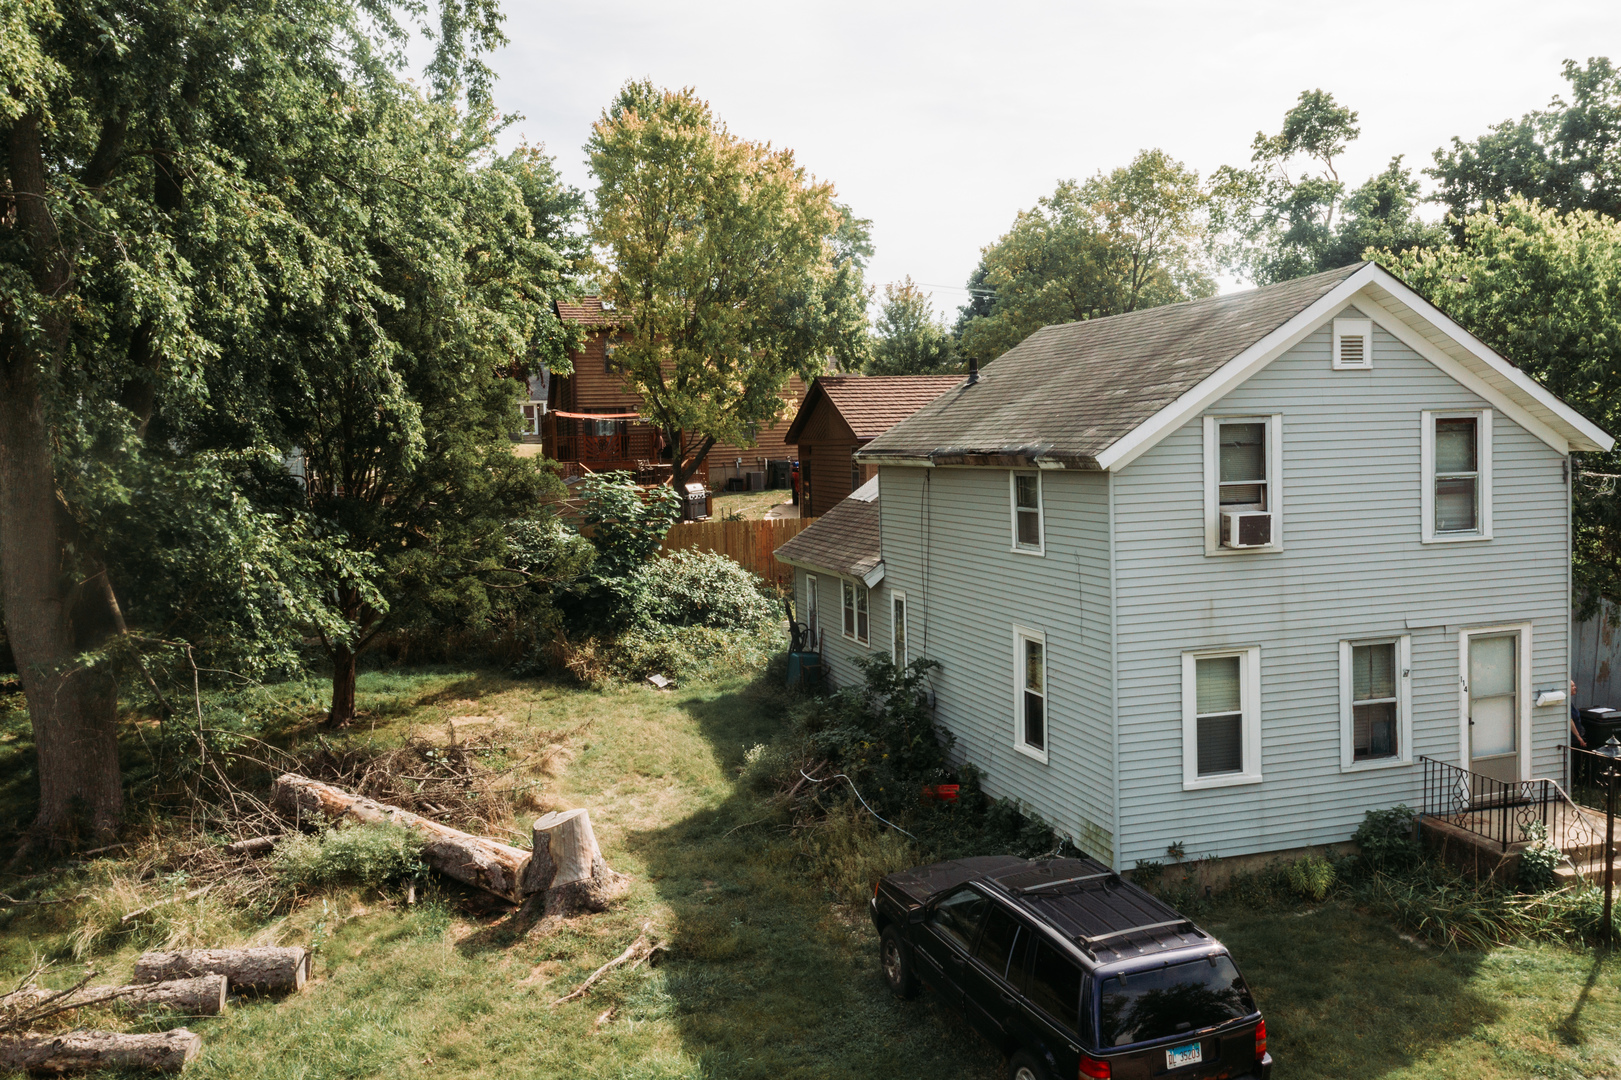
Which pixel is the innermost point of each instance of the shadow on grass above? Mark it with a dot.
(766, 978)
(1569, 1028)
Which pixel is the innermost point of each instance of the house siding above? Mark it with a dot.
(947, 535)
(1352, 566)
(842, 657)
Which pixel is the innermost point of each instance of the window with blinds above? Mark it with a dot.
(1219, 715)
(1375, 719)
(1457, 474)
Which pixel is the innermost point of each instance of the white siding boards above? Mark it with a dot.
(1131, 587)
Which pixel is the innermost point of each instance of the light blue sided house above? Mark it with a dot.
(1220, 573)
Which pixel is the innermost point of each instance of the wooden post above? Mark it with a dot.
(80, 1051)
(476, 860)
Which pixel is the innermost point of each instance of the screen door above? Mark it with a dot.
(1494, 729)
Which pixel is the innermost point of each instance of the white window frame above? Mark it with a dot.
(1523, 662)
(1249, 703)
(532, 422)
(1021, 634)
(900, 658)
(850, 591)
(1212, 482)
(1483, 463)
(1362, 328)
(813, 612)
(1404, 705)
(1013, 512)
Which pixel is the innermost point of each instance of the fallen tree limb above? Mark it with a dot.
(78, 1051)
(257, 846)
(633, 952)
(202, 996)
(194, 894)
(248, 969)
(476, 860)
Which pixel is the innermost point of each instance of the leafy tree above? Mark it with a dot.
(909, 339)
(1288, 215)
(1567, 156)
(626, 525)
(148, 227)
(1124, 240)
(731, 268)
(1544, 289)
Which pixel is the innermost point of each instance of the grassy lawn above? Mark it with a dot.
(766, 976)
(749, 505)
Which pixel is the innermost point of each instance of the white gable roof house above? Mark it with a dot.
(1225, 574)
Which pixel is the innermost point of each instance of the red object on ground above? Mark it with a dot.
(940, 792)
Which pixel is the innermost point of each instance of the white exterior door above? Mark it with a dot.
(1495, 664)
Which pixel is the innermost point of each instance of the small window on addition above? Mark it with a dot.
(1027, 523)
(1030, 699)
(855, 611)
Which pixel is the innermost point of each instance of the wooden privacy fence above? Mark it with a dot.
(750, 544)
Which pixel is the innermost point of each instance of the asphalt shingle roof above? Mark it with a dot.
(845, 540)
(872, 404)
(586, 311)
(1070, 391)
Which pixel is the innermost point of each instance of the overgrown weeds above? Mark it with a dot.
(368, 856)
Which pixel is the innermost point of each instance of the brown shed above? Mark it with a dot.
(841, 414)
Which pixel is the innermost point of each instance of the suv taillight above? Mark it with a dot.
(1260, 1040)
(1093, 1069)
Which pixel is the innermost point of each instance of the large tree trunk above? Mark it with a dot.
(73, 711)
(568, 865)
(202, 996)
(81, 1051)
(486, 864)
(263, 968)
(342, 712)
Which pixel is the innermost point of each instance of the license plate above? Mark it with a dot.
(1178, 1056)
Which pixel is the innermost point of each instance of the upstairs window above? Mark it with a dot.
(855, 611)
(1027, 511)
(1457, 496)
(1221, 718)
(1030, 692)
(1243, 501)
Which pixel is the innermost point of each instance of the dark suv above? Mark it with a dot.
(1070, 970)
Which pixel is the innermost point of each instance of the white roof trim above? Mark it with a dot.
(872, 577)
(1521, 399)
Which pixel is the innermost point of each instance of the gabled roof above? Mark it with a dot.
(871, 404)
(844, 541)
(587, 311)
(1096, 394)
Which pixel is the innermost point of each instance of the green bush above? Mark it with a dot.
(703, 588)
(1311, 876)
(369, 856)
(1537, 865)
(1388, 839)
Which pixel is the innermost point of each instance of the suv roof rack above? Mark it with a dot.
(1096, 908)
(1179, 926)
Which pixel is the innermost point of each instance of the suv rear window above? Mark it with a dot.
(1152, 1004)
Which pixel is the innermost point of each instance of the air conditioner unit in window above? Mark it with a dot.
(1246, 529)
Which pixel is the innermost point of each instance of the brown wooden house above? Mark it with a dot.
(841, 414)
(589, 421)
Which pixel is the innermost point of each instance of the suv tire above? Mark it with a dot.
(895, 959)
(1026, 1066)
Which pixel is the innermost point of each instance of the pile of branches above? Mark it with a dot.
(449, 784)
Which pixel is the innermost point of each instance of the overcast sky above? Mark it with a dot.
(941, 121)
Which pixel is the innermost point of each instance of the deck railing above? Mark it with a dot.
(1504, 812)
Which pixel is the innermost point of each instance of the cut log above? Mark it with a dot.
(80, 1051)
(476, 860)
(568, 865)
(259, 845)
(247, 969)
(202, 996)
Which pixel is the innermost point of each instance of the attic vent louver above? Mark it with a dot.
(1353, 344)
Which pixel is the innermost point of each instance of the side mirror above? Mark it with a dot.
(916, 916)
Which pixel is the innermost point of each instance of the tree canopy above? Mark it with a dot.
(1123, 240)
(908, 338)
(1288, 214)
(730, 267)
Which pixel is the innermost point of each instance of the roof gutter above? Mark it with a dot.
(1004, 457)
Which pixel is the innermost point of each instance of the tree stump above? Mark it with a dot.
(202, 996)
(568, 867)
(476, 860)
(248, 969)
(80, 1051)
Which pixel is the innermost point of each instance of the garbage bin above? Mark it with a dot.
(1599, 723)
(695, 507)
(777, 473)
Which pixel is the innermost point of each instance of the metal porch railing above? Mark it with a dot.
(1505, 812)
